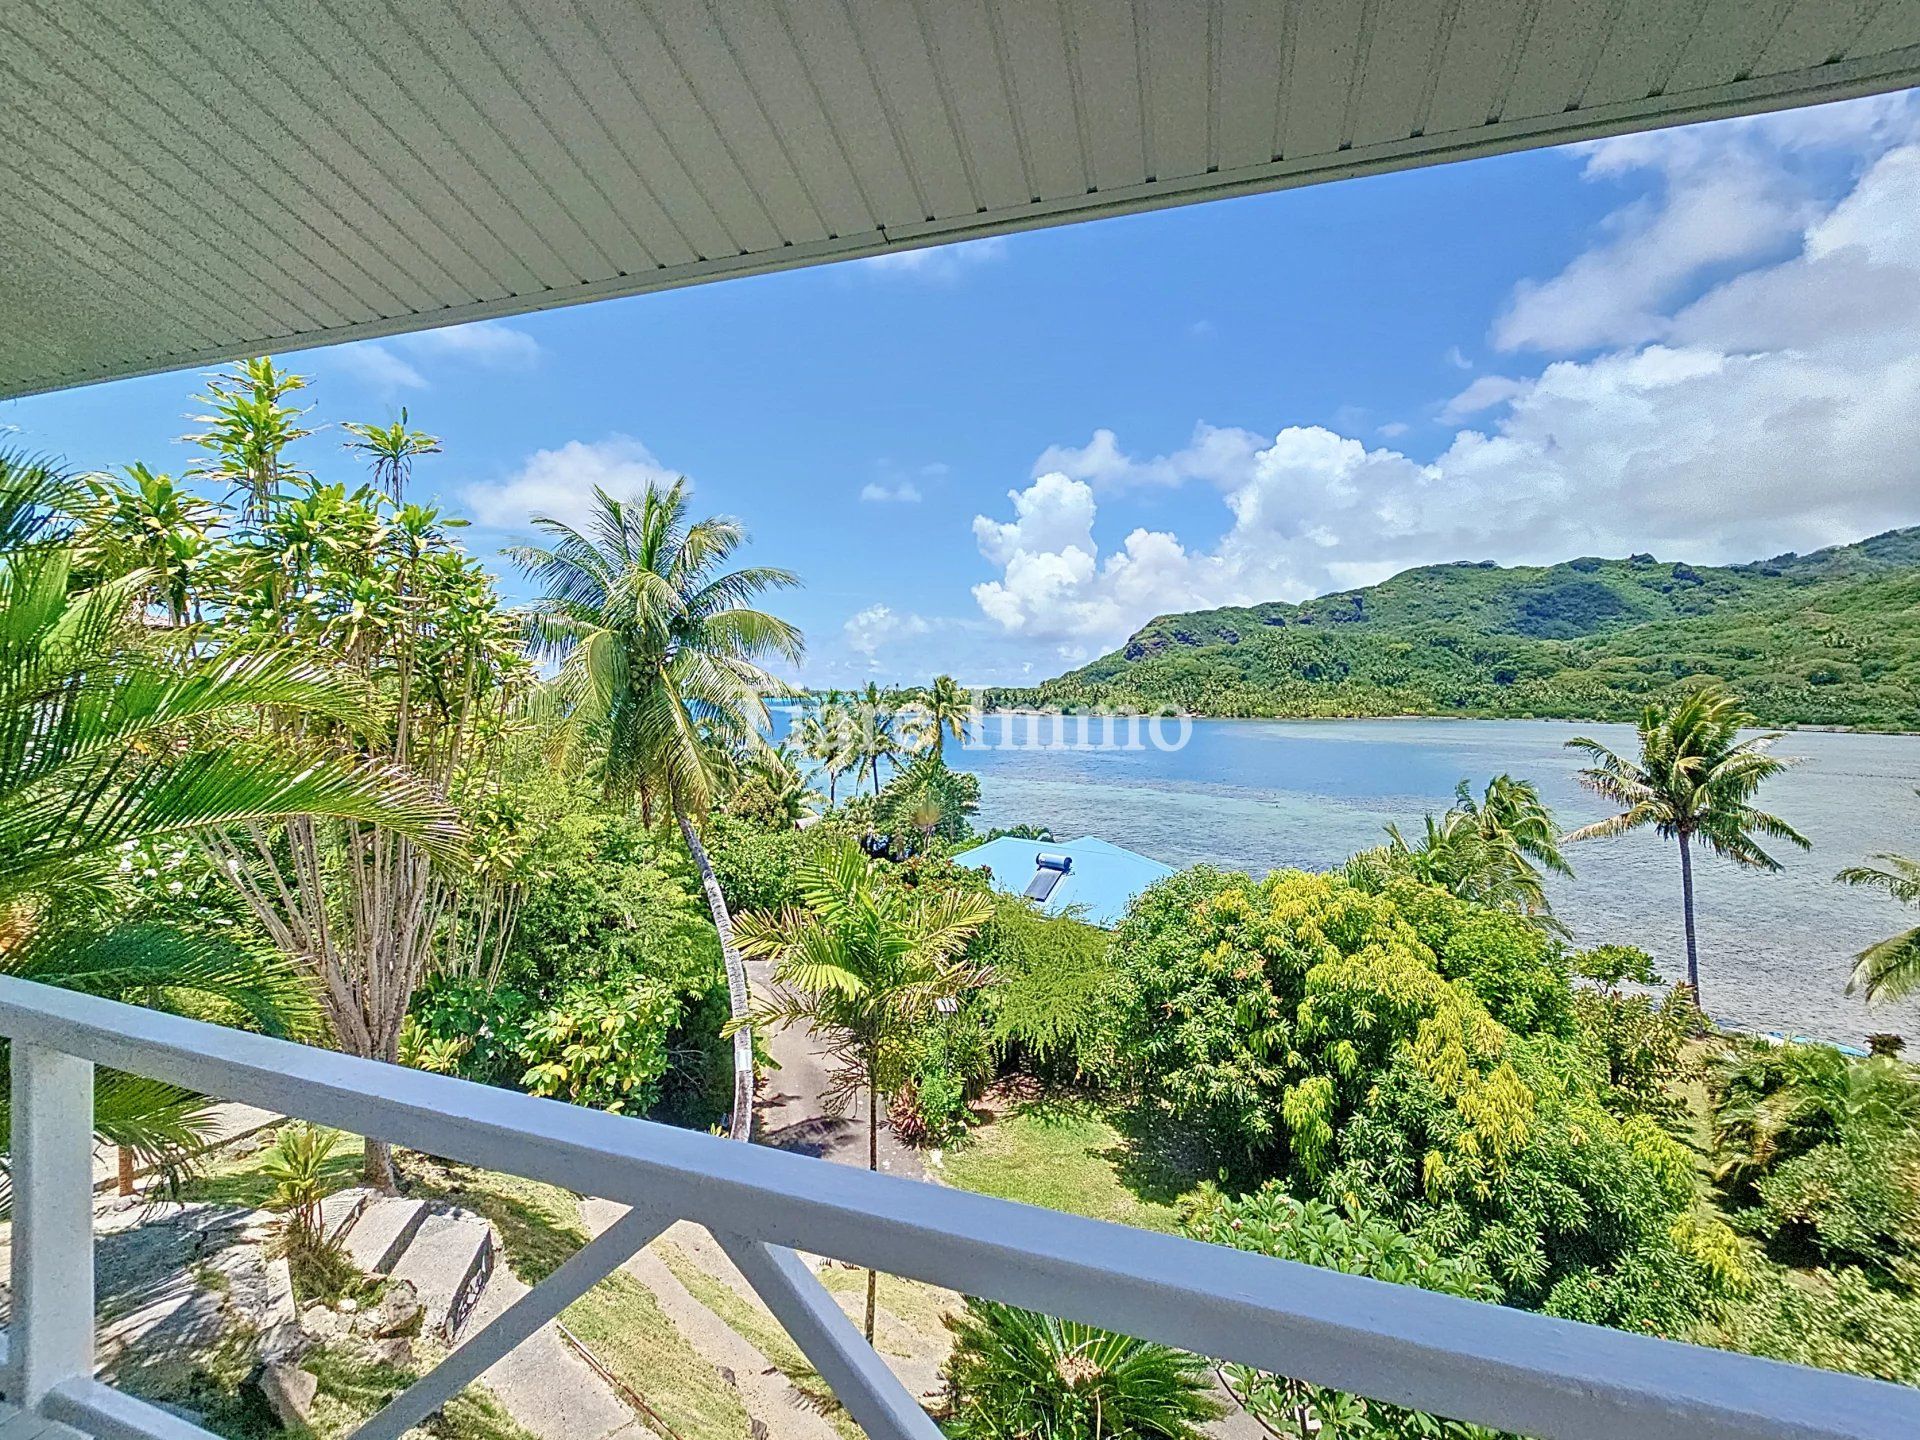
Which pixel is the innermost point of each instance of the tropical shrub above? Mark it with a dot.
(1049, 1001)
(1635, 1046)
(1305, 1025)
(1016, 1375)
(1271, 1222)
(603, 1044)
(946, 1065)
(1839, 1320)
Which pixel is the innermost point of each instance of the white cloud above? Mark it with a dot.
(1727, 196)
(942, 264)
(1214, 454)
(903, 492)
(371, 362)
(559, 483)
(1394, 429)
(489, 343)
(1483, 394)
(1778, 409)
(1456, 357)
(388, 365)
(868, 631)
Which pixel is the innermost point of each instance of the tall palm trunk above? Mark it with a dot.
(1686, 904)
(740, 1127)
(873, 1163)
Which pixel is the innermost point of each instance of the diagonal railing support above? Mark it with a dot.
(861, 1381)
(579, 1273)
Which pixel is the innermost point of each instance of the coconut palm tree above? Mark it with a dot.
(825, 735)
(864, 965)
(945, 708)
(660, 652)
(878, 732)
(1890, 968)
(1510, 812)
(1693, 781)
(111, 741)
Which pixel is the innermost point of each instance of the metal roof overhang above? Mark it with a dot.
(183, 181)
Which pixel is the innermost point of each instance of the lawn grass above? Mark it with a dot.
(1080, 1155)
(624, 1326)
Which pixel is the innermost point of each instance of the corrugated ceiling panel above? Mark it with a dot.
(1730, 38)
(1483, 48)
(1251, 44)
(732, 108)
(188, 180)
(407, 138)
(1563, 47)
(1329, 55)
(894, 44)
(185, 143)
(868, 138)
(1034, 45)
(72, 157)
(296, 134)
(757, 39)
(1104, 48)
(1894, 26)
(1814, 32)
(960, 34)
(1179, 63)
(1394, 91)
(1642, 49)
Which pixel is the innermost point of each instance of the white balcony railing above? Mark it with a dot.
(1506, 1368)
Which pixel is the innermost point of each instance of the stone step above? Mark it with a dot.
(383, 1230)
(448, 1261)
(340, 1210)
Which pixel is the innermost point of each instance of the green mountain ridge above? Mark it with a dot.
(1826, 638)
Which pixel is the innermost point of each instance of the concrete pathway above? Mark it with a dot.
(543, 1383)
(792, 1112)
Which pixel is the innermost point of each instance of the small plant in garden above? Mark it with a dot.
(297, 1165)
(1015, 1373)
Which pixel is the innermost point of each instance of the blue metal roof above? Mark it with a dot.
(1100, 885)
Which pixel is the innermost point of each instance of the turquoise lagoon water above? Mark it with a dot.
(1261, 795)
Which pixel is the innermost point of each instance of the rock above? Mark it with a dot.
(399, 1312)
(395, 1351)
(288, 1391)
(321, 1323)
(348, 1305)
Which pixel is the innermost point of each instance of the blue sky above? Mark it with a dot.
(999, 459)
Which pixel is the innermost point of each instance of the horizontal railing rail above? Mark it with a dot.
(1517, 1371)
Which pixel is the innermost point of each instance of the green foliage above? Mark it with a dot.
(1635, 1046)
(1837, 1320)
(865, 964)
(1824, 1150)
(602, 1044)
(944, 1067)
(1889, 969)
(1818, 639)
(1344, 1040)
(1612, 965)
(1271, 1222)
(1049, 999)
(1016, 1375)
(928, 802)
(756, 867)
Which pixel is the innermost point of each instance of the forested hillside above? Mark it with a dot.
(1828, 638)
